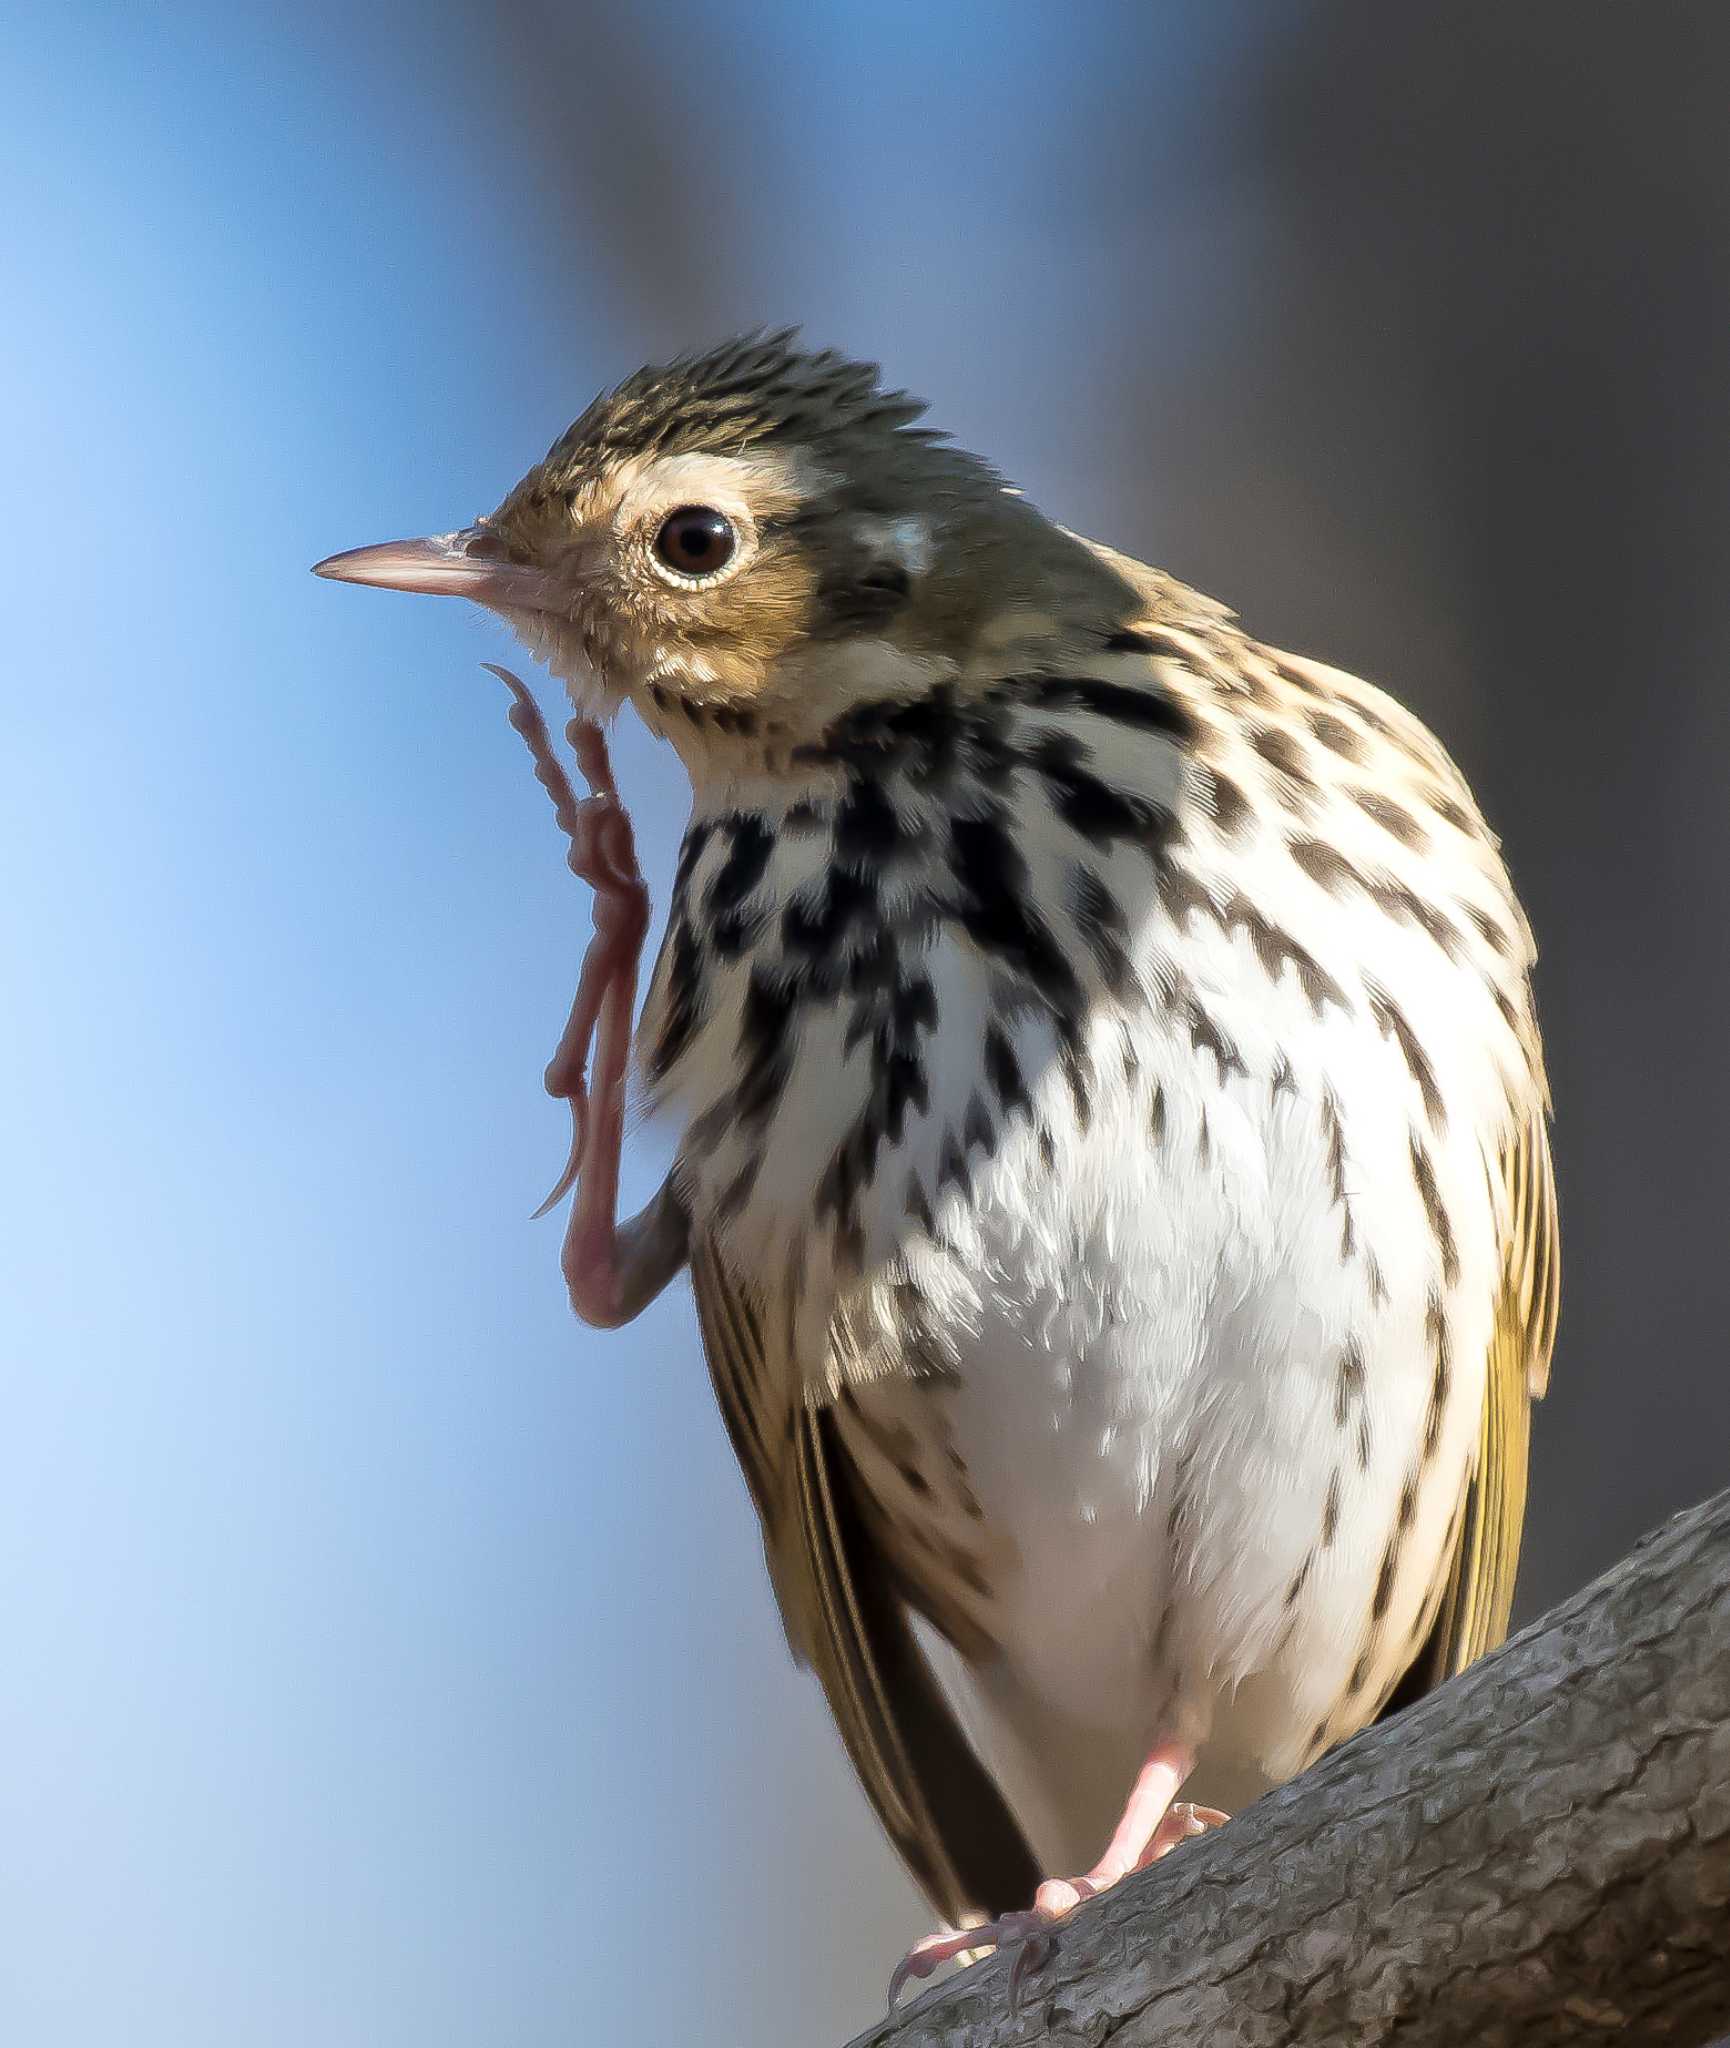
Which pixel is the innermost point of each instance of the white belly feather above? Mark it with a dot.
(1176, 1396)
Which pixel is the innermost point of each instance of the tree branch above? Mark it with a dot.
(1537, 1854)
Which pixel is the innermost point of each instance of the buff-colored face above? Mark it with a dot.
(680, 574)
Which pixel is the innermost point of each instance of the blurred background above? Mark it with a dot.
(386, 1659)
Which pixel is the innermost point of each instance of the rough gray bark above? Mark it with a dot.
(1539, 1853)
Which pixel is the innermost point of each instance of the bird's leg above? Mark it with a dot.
(1154, 1822)
(1151, 1827)
(613, 1269)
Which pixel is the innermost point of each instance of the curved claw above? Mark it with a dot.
(573, 1159)
(1032, 1934)
(1029, 1934)
(1032, 1953)
(926, 1957)
(526, 719)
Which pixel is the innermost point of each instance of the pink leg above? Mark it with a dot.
(608, 1270)
(1141, 1836)
(1151, 1827)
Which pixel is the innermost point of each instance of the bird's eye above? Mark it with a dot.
(696, 540)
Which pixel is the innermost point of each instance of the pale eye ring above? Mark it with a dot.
(695, 543)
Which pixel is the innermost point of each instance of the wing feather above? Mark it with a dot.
(844, 1619)
(1479, 1593)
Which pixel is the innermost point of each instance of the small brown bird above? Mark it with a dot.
(1114, 1172)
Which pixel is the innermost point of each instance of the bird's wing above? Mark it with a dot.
(843, 1618)
(1479, 1592)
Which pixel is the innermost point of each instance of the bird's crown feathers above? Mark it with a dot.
(754, 390)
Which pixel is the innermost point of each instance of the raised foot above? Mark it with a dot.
(1029, 1933)
(601, 852)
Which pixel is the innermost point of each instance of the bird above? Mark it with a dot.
(1113, 1162)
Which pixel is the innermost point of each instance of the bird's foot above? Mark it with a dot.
(601, 852)
(1181, 1822)
(1026, 1933)
(1029, 1933)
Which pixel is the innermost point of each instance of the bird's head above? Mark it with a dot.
(748, 542)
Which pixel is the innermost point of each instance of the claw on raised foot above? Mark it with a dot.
(573, 1165)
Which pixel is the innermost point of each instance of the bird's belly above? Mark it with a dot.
(1183, 1437)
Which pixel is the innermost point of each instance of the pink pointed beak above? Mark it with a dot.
(471, 563)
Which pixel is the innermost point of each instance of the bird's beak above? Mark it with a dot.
(471, 563)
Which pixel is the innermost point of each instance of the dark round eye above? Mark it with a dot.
(696, 540)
